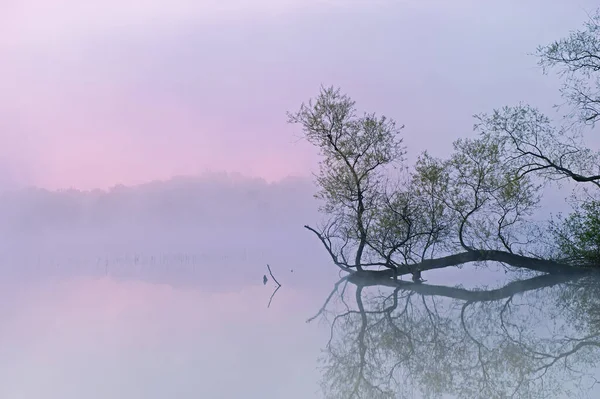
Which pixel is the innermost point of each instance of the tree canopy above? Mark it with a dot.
(533, 337)
(386, 219)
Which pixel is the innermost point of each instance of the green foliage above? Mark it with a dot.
(483, 196)
(578, 235)
(475, 199)
(480, 198)
(354, 148)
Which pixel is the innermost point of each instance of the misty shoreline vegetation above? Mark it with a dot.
(215, 231)
(182, 215)
(210, 200)
(385, 219)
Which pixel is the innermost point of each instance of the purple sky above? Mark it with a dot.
(97, 93)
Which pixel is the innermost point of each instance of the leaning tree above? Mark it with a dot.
(385, 220)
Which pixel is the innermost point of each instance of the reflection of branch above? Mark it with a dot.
(362, 346)
(515, 287)
(563, 355)
(272, 295)
(378, 350)
(479, 344)
(335, 288)
(276, 289)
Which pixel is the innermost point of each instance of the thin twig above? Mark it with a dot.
(276, 289)
(273, 277)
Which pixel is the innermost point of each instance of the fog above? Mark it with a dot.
(148, 176)
(156, 290)
(98, 95)
(220, 230)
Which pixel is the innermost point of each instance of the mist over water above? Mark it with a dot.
(157, 291)
(124, 273)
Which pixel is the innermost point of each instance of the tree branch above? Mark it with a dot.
(276, 289)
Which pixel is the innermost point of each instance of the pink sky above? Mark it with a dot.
(98, 93)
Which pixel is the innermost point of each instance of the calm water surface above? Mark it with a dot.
(158, 326)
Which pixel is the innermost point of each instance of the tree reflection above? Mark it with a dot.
(532, 338)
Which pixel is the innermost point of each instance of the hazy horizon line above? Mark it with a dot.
(206, 175)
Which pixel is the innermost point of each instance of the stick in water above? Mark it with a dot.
(276, 289)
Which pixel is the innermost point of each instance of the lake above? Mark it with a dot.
(185, 325)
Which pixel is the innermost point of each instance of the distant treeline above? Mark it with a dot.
(210, 201)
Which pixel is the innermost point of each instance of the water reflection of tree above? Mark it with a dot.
(534, 338)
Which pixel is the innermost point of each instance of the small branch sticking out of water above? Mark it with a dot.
(276, 289)
(273, 277)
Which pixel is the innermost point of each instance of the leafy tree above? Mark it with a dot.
(578, 235)
(473, 206)
(355, 149)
